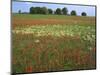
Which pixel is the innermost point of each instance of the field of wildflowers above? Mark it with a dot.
(53, 47)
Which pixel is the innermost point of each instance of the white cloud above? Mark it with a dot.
(28, 3)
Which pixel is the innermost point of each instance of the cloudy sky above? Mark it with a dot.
(25, 6)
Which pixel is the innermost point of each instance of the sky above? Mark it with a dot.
(25, 6)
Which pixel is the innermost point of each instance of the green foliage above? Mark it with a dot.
(73, 13)
(44, 10)
(58, 11)
(50, 55)
(32, 10)
(83, 14)
(50, 11)
(38, 10)
(64, 11)
(68, 65)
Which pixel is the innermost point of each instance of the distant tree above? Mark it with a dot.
(64, 11)
(50, 11)
(44, 10)
(38, 10)
(32, 10)
(73, 12)
(19, 11)
(58, 11)
(83, 14)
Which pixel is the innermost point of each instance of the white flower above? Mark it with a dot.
(90, 48)
(37, 41)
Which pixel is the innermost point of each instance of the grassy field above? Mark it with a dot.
(52, 43)
(39, 16)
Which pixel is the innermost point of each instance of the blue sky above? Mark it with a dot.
(25, 6)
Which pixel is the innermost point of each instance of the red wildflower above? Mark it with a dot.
(29, 69)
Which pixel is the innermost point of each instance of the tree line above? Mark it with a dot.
(58, 11)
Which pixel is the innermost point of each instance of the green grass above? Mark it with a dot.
(39, 16)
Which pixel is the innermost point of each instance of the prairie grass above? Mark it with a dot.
(53, 52)
(69, 45)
